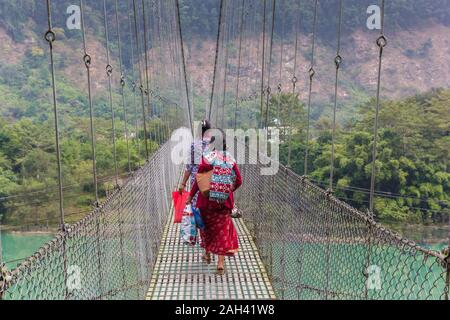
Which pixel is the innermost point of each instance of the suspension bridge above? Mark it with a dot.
(297, 240)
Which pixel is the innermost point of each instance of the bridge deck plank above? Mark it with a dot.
(180, 273)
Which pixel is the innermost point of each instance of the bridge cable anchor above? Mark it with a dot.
(87, 60)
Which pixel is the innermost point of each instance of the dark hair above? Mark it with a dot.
(206, 125)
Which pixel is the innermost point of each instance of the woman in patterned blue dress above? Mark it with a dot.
(197, 149)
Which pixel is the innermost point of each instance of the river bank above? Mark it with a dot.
(434, 236)
(17, 246)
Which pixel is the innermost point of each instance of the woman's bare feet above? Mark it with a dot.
(207, 258)
(221, 265)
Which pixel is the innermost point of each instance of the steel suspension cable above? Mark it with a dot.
(162, 36)
(156, 81)
(311, 78)
(245, 84)
(147, 77)
(122, 86)
(253, 54)
(216, 58)
(221, 50)
(280, 72)
(164, 107)
(221, 62)
(263, 65)
(162, 79)
(254, 61)
(165, 38)
(183, 64)
(180, 53)
(134, 83)
(165, 55)
(241, 31)
(294, 81)
(226, 45)
(141, 85)
(381, 43)
(337, 62)
(88, 62)
(255, 32)
(170, 43)
(269, 89)
(377, 193)
(66, 188)
(223, 57)
(109, 74)
(250, 34)
(50, 37)
(122, 83)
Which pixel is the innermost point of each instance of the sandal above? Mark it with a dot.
(221, 271)
(236, 215)
(207, 258)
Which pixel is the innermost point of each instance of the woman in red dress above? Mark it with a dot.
(219, 236)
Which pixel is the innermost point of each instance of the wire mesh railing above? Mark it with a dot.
(110, 253)
(313, 245)
(317, 247)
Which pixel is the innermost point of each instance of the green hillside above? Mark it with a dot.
(414, 179)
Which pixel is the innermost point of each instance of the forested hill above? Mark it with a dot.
(416, 59)
(415, 136)
(201, 16)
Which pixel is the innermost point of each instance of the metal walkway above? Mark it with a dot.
(181, 274)
(315, 247)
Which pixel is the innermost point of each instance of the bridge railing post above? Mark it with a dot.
(285, 230)
(368, 256)
(447, 281)
(328, 215)
(99, 252)
(300, 233)
(121, 239)
(271, 229)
